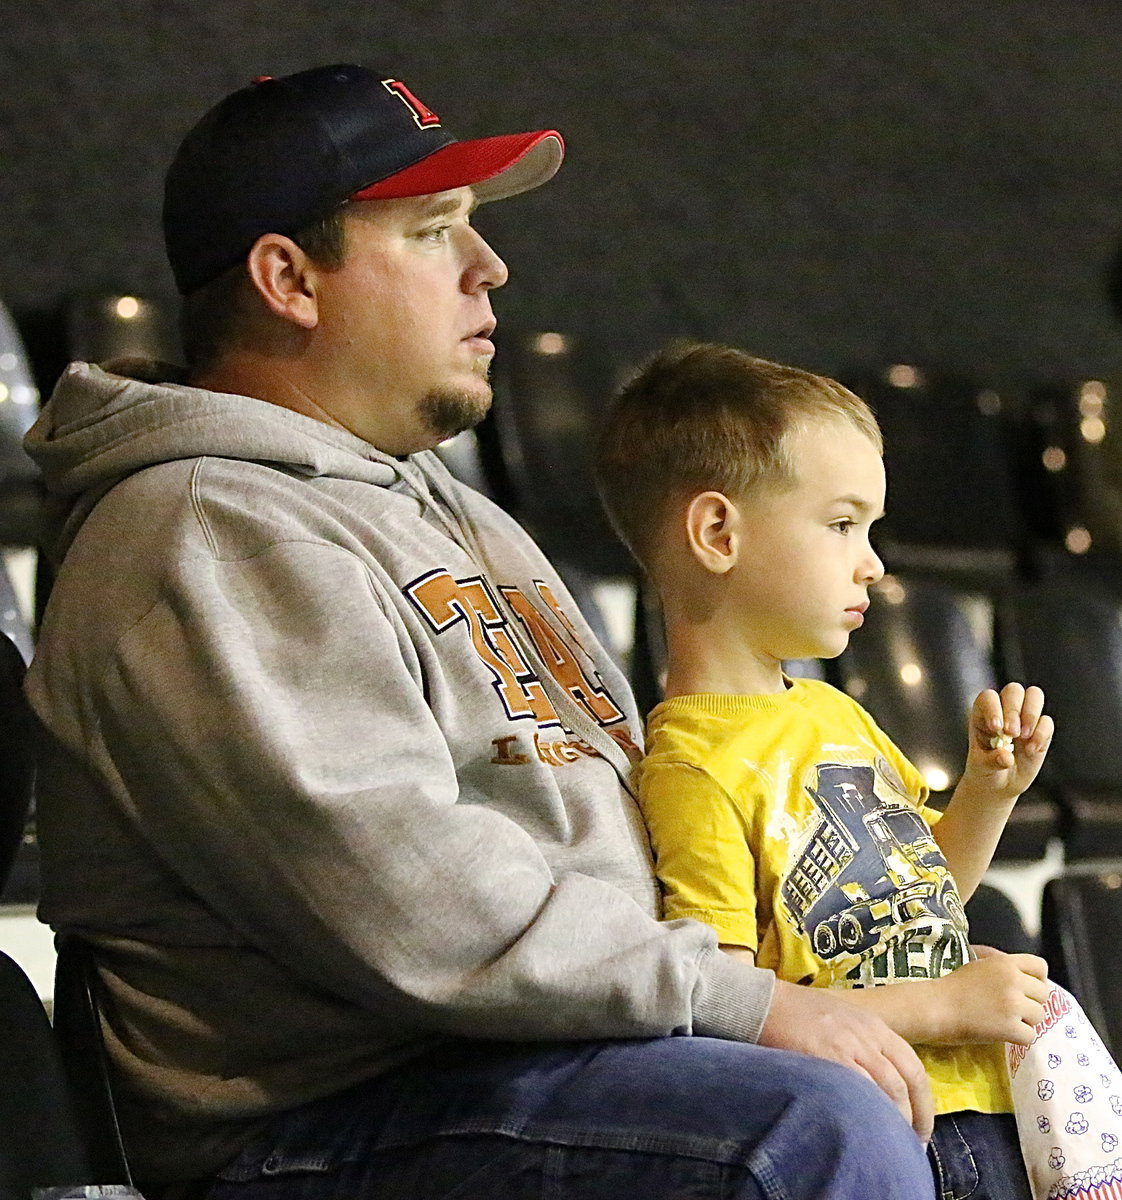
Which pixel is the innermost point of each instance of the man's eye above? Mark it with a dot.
(436, 234)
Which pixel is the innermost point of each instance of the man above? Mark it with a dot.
(335, 774)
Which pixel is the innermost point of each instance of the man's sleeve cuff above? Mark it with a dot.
(731, 999)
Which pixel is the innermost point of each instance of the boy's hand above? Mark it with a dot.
(1009, 737)
(998, 998)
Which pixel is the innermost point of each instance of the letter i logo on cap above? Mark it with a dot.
(422, 114)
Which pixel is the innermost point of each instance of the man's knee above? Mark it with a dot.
(838, 1131)
(830, 1095)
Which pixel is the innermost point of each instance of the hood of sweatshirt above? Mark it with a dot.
(101, 426)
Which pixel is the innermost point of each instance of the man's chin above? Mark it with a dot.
(451, 411)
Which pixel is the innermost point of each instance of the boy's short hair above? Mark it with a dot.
(700, 416)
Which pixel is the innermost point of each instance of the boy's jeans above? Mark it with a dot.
(978, 1155)
(632, 1120)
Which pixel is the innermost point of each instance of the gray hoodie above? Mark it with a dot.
(333, 769)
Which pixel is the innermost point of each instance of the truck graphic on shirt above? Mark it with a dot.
(868, 864)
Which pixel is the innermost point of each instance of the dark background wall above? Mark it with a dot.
(836, 183)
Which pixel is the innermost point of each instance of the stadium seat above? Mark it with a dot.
(17, 765)
(1064, 632)
(917, 664)
(1071, 461)
(536, 452)
(104, 326)
(19, 851)
(926, 651)
(21, 495)
(549, 390)
(953, 507)
(1066, 629)
(1081, 916)
(77, 1023)
(996, 921)
(40, 1146)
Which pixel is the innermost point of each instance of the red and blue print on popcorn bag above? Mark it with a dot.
(1067, 1094)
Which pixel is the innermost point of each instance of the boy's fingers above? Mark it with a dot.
(1031, 964)
(986, 720)
(1012, 701)
(1042, 735)
(987, 711)
(1031, 708)
(1023, 1035)
(1037, 991)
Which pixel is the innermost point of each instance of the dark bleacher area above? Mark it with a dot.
(99, 327)
(1003, 542)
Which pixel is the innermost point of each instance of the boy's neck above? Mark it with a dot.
(703, 661)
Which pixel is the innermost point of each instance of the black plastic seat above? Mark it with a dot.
(40, 1145)
(77, 1023)
(21, 490)
(105, 326)
(17, 763)
(996, 921)
(550, 389)
(924, 654)
(69, 1124)
(1071, 463)
(1081, 920)
(1064, 633)
(954, 506)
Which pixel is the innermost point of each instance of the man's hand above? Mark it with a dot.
(814, 1021)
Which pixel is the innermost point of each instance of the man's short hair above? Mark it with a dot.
(213, 317)
(700, 416)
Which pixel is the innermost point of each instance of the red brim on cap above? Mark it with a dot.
(495, 167)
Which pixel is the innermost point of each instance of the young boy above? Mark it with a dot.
(779, 813)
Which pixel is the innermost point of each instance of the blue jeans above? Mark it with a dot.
(978, 1155)
(668, 1118)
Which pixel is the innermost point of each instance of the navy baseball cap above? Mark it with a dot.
(281, 153)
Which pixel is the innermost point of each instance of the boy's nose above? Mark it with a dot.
(872, 569)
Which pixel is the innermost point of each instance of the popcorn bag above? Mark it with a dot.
(1067, 1094)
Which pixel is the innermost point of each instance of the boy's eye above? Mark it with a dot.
(843, 525)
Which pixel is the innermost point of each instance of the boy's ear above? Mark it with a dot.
(284, 276)
(713, 531)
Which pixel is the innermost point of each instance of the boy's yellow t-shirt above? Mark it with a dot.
(793, 826)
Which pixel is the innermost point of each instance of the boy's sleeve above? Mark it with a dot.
(917, 787)
(702, 856)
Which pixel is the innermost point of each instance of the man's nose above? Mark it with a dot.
(485, 269)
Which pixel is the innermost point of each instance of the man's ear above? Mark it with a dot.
(282, 273)
(713, 531)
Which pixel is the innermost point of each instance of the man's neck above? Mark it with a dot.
(257, 376)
